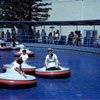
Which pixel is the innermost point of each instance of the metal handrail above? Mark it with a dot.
(47, 40)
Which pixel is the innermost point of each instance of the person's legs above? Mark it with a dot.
(53, 68)
(1, 45)
(13, 44)
(4, 44)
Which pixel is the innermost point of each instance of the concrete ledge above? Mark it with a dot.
(63, 47)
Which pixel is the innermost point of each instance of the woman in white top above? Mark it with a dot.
(16, 65)
(51, 61)
(24, 56)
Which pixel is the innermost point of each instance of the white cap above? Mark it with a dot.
(49, 49)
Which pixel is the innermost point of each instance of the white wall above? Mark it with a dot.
(64, 10)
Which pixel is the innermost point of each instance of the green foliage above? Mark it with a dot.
(24, 10)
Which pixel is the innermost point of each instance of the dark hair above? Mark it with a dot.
(19, 60)
(51, 54)
(24, 51)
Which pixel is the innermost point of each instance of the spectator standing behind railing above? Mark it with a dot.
(8, 35)
(57, 34)
(26, 34)
(5, 37)
(71, 38)
(2, 35)
(54, 36)
(37, 36)
(76, 38)
(43, 35)
(50, 38)
(34, 37)
(13, 33)
(79, 38)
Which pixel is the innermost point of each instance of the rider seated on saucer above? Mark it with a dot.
(51, 61)
(16, 65)
(24, 56)
(14, 43)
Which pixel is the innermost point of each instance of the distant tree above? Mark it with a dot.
(24, 10)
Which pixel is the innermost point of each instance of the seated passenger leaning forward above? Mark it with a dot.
(16, 65)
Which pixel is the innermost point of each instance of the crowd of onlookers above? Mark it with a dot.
(8, 35)
(52, 37)
(74, 38)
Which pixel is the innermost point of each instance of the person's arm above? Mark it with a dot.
(27, 58)
(20, 71)
(56, 61)
(12, 63)
(17, 69)
(46, 62)
(16, 66)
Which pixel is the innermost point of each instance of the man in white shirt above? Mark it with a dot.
(24, 56)
(51, 61)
